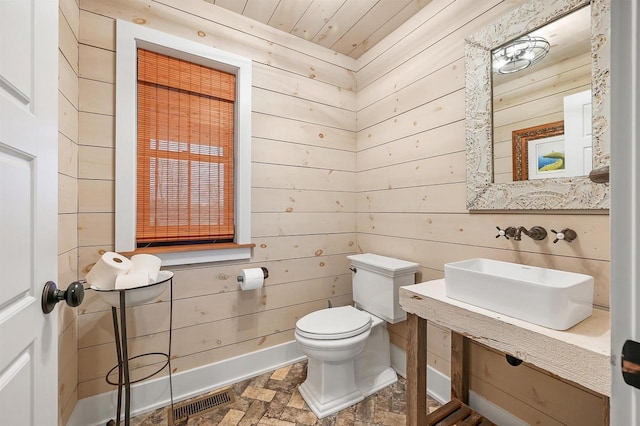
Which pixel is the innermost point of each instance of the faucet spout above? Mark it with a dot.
(518, 234)
(537, 233)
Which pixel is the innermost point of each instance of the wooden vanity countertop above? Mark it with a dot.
(580, 354)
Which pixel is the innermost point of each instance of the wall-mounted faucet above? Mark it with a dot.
(537, 233)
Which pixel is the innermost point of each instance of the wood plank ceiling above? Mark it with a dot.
(350, 27)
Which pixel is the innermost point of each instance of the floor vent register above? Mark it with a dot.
(184, 410)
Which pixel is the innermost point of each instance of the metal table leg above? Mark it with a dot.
(122, 352)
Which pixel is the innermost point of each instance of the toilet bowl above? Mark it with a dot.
(332, 339)
(348, 348)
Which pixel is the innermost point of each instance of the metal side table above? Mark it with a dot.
(120, 300)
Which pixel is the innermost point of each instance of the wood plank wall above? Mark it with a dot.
(411, 197)
(69, 24)
(303, 191)
(323, 187)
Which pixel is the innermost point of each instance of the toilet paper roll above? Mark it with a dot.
(132, 280)
(252, 278)
(104, 273)
(146, 263)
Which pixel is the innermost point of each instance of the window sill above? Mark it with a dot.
(198, 253)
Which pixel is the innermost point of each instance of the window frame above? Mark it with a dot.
(129, 37)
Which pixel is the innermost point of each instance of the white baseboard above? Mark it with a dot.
(439, 388)
(399, 360)
(154, 393)
(438, 385)
(492, 412)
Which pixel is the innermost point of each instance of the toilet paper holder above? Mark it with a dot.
(265, 272)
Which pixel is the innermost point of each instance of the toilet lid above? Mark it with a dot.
(333, 323)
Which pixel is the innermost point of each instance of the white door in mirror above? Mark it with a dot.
(577, 134)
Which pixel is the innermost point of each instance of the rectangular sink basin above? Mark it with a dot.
(547, 297)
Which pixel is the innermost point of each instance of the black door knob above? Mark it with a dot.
(73, 295)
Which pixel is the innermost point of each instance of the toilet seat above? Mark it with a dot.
(333, 323)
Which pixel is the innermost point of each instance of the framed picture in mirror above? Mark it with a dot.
(520, 148)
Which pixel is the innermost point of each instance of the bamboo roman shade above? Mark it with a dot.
(185, 152)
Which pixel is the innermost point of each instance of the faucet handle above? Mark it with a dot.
(566, 234)
(507, 232)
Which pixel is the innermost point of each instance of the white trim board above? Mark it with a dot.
(129, 37)
(154, 393)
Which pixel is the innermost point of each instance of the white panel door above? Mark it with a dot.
(625, 205)
(577, 134)
(28, 210)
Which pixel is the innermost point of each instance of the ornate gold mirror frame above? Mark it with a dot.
(554, 193)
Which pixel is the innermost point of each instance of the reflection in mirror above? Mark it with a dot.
(548, 185)
(542, 103)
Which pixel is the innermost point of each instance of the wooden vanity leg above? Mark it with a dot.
(459, 367)
(416, 371)
(606, 407)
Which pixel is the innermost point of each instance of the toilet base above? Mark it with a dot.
(324, 409)
(330, 386)
(370, 385)
(366, 386)
(334, 383)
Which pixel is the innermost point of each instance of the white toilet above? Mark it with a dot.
(348, 348)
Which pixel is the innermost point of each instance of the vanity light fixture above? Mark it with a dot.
(519, 54)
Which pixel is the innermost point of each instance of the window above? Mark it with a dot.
(185, 152)
(182, 148)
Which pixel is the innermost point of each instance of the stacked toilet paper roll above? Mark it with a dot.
(146, 263)
(109, 266)
(144, 270)
(114, 271)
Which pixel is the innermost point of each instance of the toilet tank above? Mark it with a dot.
(376, 280)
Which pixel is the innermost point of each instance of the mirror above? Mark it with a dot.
(525, 160)
(532, 101)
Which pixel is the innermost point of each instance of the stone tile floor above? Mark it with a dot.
(272, 399)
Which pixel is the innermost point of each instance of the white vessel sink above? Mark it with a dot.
(547, 297)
